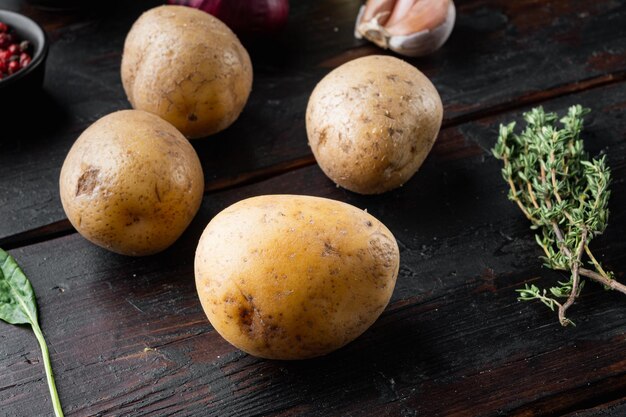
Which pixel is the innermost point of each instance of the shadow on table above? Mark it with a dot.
(379, 364)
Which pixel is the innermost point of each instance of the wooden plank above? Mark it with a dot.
(614, 408)
(128, 336)
(502, 54)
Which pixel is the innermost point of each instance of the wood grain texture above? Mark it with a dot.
(613, 408)
(128, 336)
(501, 55)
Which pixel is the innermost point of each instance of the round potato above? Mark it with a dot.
(131, 183)
(187, 67)
(294, 277)
(371, 123)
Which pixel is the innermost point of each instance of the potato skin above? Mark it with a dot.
(131, 183)
(371, 123)
(294, 277)
(187, 67)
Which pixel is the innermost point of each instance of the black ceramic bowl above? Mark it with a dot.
(30, 78)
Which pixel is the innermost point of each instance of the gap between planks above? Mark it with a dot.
(63, 227)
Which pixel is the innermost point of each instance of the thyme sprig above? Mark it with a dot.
(565, 196)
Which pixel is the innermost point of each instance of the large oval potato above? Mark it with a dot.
(187, 67)
(131, 183)
(294, 277)
(371, 123)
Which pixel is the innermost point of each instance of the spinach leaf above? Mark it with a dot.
(19, 306)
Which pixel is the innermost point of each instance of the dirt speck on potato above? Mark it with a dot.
(87, 181)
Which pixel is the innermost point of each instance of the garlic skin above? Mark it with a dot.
(419, 43)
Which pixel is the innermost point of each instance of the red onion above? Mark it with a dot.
(244, 16)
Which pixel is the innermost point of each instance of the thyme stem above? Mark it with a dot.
(611, 283)
(515, 198)
(574, 291)
(560, 239)
(595, 262)
(519, 203)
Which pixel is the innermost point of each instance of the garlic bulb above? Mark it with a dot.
(407, 27)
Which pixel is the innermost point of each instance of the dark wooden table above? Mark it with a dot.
(128, 336)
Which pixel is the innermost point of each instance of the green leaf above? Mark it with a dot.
(19, 306)
(17, 298)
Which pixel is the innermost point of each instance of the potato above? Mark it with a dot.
(131, 183)
(186, 66)
(294, 277)
(371, 123)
